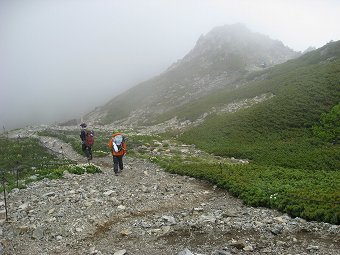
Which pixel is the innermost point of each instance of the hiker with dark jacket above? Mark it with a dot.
(86, 143)
(117, 145)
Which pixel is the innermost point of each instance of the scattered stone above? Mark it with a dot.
(23, 229)
(108, 193)
(38, 233)
(238, 244)
(49, 194)
(226, 214)
(169, 219)
(221, 252)
(186, 251)
(51, 211)
(24, 207)
(277, 229)
(248, 248)
(125, 232)
(121, 207)
(312, 248)
(198, 209)
(120, 252)
(207, 218)
(166, 229)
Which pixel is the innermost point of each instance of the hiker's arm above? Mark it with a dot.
(124, 148)
(82, 135)
(110, 144)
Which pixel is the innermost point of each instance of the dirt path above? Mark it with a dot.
(147, 211)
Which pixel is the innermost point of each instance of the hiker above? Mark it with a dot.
(117, 145)
(87, 140)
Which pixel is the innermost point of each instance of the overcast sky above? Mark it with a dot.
(61, 58)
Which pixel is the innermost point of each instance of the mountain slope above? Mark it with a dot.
(279, 131)
(312, 67)
(223, 56)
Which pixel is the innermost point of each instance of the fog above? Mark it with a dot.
(61, 58)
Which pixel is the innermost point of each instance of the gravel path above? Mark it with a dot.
(147, 211)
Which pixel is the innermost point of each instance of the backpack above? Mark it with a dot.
(89, 138)
(118, 141)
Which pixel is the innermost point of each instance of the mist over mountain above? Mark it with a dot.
(221, 57)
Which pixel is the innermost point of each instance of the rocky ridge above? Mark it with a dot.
(144, 211)
(220, 59)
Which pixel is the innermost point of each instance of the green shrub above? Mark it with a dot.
(24, 158)
(313, 195)
(329, 127)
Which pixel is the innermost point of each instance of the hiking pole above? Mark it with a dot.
(16, 168)
(4, 186)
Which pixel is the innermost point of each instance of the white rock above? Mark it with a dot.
(51, 211)
(125, 232)
(280, 220)
(120, 252)
(186, 251)
(312, 247)
(171, 220)
(72, 192)
(49, 194)
(248, 248)
(108, 193)
(24, 206)
(207, 218)
(121, 207)
(198, 209)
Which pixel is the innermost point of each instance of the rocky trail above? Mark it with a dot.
(146, 211)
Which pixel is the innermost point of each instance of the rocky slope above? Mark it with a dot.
(147, 211)
(219, 59)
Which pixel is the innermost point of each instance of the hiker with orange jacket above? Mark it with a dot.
(117, 144)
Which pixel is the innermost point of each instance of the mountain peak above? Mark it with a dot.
(219, 59)
(237, 39)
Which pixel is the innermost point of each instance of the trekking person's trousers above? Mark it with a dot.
(117, 162)
(87, 151)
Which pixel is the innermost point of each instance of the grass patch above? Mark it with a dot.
(99, 148)
(312, 195)
(306, 193)
(24, 160)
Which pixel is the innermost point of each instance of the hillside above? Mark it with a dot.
(285, 120)
(219, 59)
(303, 89)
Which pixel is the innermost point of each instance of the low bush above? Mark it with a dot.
(24, 160)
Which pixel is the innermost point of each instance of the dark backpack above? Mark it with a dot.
(89, 138)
